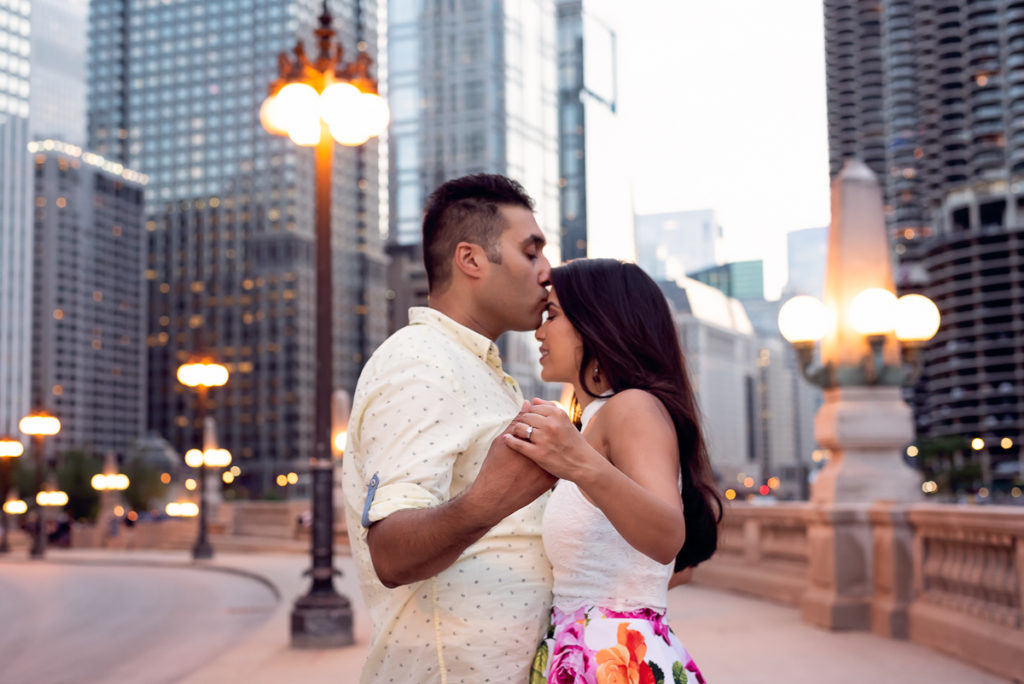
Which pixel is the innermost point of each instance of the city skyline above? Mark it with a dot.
(724, 114)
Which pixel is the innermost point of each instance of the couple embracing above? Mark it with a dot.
(501, 540)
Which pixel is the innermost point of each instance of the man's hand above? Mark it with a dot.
(412, 545)
(507, 481)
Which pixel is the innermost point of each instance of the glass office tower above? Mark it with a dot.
(88, 335)
(596, 206)
(472, 88)
(15, 215)
(174, 91)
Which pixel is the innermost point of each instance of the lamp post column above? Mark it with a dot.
(5, 487)
(202, 549)
(38, 549)
(323, 617)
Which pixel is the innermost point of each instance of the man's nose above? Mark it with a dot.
(545, 271)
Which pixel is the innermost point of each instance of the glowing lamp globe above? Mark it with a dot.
(873, 311)
(337, 100)
(273, 116)
(181, 509)
(39, 425)
(217, 458)
(917, 318)
(15, 507)
(373, 113)
(55, 499)
(295, 102)
(202, 374)
(347, 133)
(193, 458)
(305, 131)
(10, 448)
(803, 319)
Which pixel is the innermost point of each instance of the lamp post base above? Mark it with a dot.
(866, 429)
(323, 621)
(202, 551)
(38, 549)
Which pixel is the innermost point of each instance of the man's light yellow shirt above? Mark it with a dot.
(427, 406)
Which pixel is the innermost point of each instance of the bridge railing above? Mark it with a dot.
(946, 576)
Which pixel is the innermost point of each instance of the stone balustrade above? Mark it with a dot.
(945, 576)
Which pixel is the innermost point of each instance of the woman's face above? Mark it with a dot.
(561, 347)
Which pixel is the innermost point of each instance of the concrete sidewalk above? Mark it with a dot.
(734, 639)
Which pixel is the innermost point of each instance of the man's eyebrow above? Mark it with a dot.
(538, 240)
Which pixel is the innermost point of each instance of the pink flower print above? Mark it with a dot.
(571, 657)
(692, 667)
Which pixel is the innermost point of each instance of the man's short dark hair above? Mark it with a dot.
(466, 209)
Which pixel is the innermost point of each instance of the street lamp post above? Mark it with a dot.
(202, 375)
(38, 425)
(202, 460)
(10, 449)
(870, 347)
(315, 103)
(108, 483)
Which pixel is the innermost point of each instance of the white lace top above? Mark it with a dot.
(592, 563)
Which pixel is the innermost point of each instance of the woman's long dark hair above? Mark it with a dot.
(626, 325)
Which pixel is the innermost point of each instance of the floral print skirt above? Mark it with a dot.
(595, 645)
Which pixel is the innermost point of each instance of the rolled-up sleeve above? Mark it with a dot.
(406, 442)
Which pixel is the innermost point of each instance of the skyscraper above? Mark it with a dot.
(88, 298)
(175, 91)
(58, 78)
(738, 279)
(806, 251)
(15, 215)
(670, 245)
(946, 82)
(473, 89)
(596, 211)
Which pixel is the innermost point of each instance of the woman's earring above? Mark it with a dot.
(597, 375)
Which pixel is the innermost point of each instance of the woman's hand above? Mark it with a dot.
(554, 443)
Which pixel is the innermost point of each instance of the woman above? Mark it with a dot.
(636, 499)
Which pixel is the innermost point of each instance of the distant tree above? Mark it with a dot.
(74, 476)
(144, 484)
(937, 458)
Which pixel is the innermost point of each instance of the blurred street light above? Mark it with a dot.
(870, 346)
(316, 103)
(39, 425)
(202, 375)
(10, 449)
(181, 509)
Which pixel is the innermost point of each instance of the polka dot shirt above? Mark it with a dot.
(427, 406)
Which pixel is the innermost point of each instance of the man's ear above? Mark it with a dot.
(470, 260)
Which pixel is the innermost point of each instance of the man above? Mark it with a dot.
(444, 520)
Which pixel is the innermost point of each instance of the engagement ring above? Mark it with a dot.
(529, 432)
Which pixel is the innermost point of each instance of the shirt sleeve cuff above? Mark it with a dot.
(400, 496)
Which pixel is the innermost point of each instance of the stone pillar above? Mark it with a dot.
(866, 430)
(839, 552)
(893, 570)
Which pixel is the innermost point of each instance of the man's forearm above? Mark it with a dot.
(412, 545)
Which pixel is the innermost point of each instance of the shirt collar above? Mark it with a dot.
(480, 345)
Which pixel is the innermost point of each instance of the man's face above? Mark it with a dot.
(515, 290)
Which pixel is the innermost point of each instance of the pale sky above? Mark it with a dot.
(725, 105)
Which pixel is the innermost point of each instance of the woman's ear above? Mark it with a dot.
(469, 259)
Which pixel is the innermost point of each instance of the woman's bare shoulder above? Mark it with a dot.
(632, 405)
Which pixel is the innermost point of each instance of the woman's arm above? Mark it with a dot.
(636, 487)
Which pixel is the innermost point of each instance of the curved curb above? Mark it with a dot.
(178, 565)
